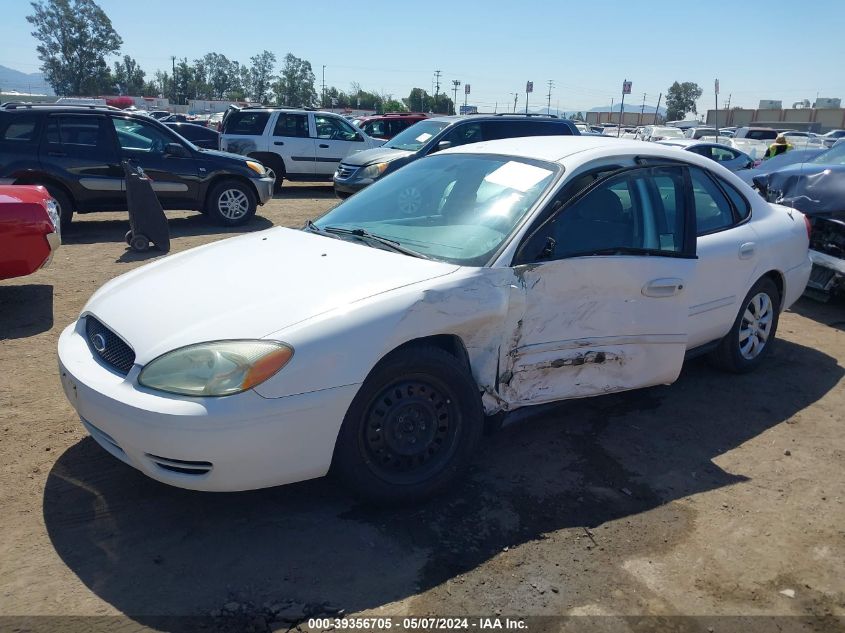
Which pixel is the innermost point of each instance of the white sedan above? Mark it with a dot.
(374, 340)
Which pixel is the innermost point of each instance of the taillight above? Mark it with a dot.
(809, 226)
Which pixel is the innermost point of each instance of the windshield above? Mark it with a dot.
(833, 156)
(456, 208)
(413, 138)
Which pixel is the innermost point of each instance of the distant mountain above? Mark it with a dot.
(629, 107)
(12, 80)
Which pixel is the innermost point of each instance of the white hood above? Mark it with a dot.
(247, 287)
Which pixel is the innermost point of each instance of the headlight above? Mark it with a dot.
(220, 368)
(373, 171)
(53, 212)
(256, 167)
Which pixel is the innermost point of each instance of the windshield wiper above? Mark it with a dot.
(366, 235)
(313, 228)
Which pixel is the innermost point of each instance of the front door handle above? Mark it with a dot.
(278, 142)
(666, 287)
(324, 146)
(56, 154)
(746, 251)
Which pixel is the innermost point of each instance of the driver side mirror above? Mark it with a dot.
(176, 150)
(443, 145)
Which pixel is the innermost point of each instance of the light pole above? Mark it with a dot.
(323, 96)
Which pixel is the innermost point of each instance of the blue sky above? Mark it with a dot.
(758, 49)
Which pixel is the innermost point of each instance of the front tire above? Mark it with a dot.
(412, 429)
(231, 203)
(753, 332)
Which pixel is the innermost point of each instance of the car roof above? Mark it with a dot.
(556, 148)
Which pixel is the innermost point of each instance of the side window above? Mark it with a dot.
(335, 129)
(135, 136)
(246, 123)
(640, 209)
(19, 128)
(712, 209)
(467, 133)
(77, 131)
(741, 205)
(500, 129)
(376, 128)
(291, 125)
(722, 154)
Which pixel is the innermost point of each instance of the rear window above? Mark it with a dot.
(761, 135)
(20, 128)
(246, 123)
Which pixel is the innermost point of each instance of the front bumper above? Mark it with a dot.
(54, 240)
(239, 442)
(264, 186)
(345, 188)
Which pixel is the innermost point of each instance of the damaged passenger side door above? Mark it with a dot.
(603, 283)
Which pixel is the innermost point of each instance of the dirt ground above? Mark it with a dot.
(717, 496)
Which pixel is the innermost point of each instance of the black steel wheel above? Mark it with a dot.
(412, 428)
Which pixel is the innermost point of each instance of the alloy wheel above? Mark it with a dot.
(233, 204)
(756, 326)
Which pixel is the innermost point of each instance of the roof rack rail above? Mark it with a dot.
(528, 114)
(15, 105)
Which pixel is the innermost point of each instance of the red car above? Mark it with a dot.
(388, 125)
(29, 229)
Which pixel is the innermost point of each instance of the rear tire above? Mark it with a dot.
(753, 332)
(64, 203)
(412, 429)
(230, 203)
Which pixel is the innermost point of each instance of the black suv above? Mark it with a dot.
(358, 170)
(76, 153)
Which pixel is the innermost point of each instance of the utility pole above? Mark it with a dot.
(728, 116)
(323, 98)
(642, 109)
(549, 102)
(173, 79)
(515, 99)
(610, 118)
(437, 74)
(716, 112)
(455, 84)
(657, 109)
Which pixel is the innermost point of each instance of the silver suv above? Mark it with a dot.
(294, 144)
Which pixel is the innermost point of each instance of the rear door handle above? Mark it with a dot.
(746, 251)
(665, 287)
(278, 142)
(56, 154)
(324, 146)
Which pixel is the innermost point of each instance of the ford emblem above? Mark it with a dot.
(99, 342)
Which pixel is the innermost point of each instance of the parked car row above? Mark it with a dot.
(76, 153)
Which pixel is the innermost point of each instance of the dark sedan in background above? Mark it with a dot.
(199, 135)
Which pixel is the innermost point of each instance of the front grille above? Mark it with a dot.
(345, 171)
(181, 466)
(108, 346)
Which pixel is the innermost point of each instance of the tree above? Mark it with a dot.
(75, 38)
(261, 75)
(392, 105)
(128, 77)
(295, 86)
(680, 99)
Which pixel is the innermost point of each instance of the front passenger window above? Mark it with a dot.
(639, 210)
